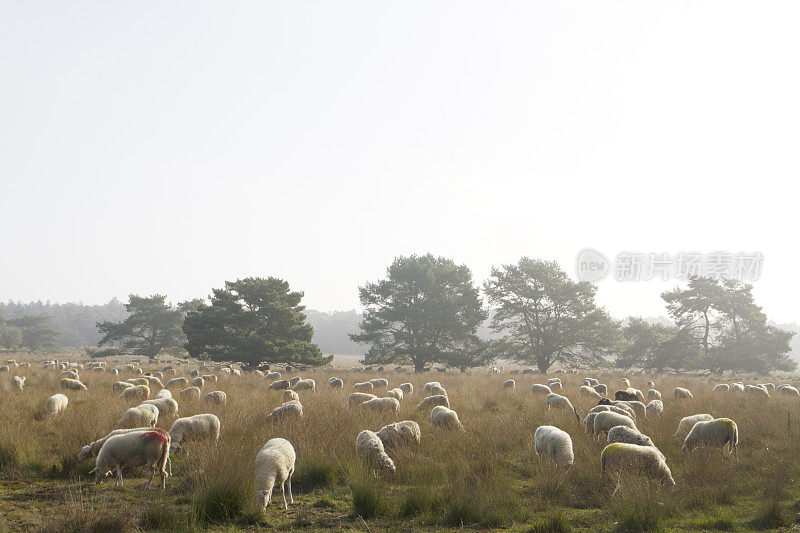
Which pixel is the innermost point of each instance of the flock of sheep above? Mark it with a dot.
(136, 442)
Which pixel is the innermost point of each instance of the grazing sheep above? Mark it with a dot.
(605, 420)
(601, 388)
(152, 380)
(788, 390)
(139, 381)
(370, 448)
(273, 376)
(17, 383)
(366, 386)
(553, 380)
(632, 459)
(737, 387)
(435, 390)
(199, 382)
(721, 387)
(681, 393)
(381, 405)
(556, 385)
(190, 392)
(69, 374)
(166, 406)
(356, 398)
(293, 380)
(625, 395)
(177, 382)
(626, 383)
(195, 428)
(379, 383)
(149, 449)
(217, 397)
(538, 388)
(72, 384)
(429, 386)
(558, 402)
(713, 433)
(653, 394)
(210, 377)
(407, 388)
(555, 444)
(686, 424)
(405, 433)
(588, 422)
(446, 418)
(432, 401)
(760, 392)
(163, 394)
(280, 384)
(769, 386)
(589, 392)
(396, 392)
(628, 435)
(289, 395)
(137, 392)
(621, 409)
(651, 384)
(589, 382)
(56, 403)
(335, 383)
(92, 449)
(305, 384)
(120, 386)
(291, 409)
(638, 407)
(654, 408)
(139, 416)
(509, 384)
(274, 465)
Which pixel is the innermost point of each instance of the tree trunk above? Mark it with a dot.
(419, 365)
(543, 364)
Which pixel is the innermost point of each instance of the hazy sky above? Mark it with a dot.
(169, 146)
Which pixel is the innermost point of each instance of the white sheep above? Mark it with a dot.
(274, 465)
(638, 407)
(621, 409)
(72, 384)
(788, 390)
(396, 392)
(120, 386)
(588, 422)
(272, 376)
(626, 383)
(654, 408)
(335, 383)
(288, 395)
(509, 384)
(555, 444)
(190, 392)
(153, 380)
(435, 390)
(379, 383)
(216, 397)
(380, 405)
(370, 448)
(632, 459)
(429, 385)
(56, 403)
(141, 415)
(356, 398)
(92, 449)
(628, 435)
(446, 418)
(737, 387)
(290, 409)
(195, 428)
(558, 402)
(137, 392)
(758, 391)
(407, 388)
(589, 382)
(163, 394)
(769, 386)
(721, 387)
(681, 393)
(166, 406)
(556, 385)
(653, 394)
(365, 386)
(17, 383)
(199, 382)
(149, 449)
(538, 388)
(305, 384)
(405, 433)
(293, 380)
(589, 392)
(687, 422)
(601, 388)
(605, 420)
(713, 433)
(177, 382)
(432, 401)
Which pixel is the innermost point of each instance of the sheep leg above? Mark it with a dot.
(150, 478)
(616, 488)
(119, 476)
(169, 466)
(289, 482)
(283, 492)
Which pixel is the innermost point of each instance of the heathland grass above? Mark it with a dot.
(484, 478)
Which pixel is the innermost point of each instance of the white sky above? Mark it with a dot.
(169, 146)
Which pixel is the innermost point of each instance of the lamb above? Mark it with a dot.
(605, 420)
(509, 384)
(141, 415)
(753, 390)
(137, 392)
(292, 409)
(396, 392)
(370, 448)
(687, 423)
(366, 386)
(405, 433)
(654, 408)
(556, 401)
(713, 433)
(199, 382)
(217, 397)
(356, 398)
(653, 394)
(166, 406)
(622, 457)
(721, 387)
(149, 448)
(120, 386)
(432, 401)
(274, 464)
(446, 418)
(163, 394)
(681, 393)
(589, 392)
(280, 384)
(72, 384)
(17, 383)
(288, 395)
(335, 383)
(195, 428)
(538, 388)
(56, 403)
(380, 405)
(305, 384)
(407, 388)
(555, 444)
(600, 388)
(190, 392)
(177, 382)
(380, 383)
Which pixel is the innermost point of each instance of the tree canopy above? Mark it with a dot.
(253, 321)
(426, 311)
(37, 334)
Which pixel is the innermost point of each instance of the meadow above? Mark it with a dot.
(484, 478)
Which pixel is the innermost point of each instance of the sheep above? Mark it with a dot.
(681, 393)
(291, 409)
(651, 384)
(769, 386)
(788, 390)
(370, 448)
(274, 464)
(589, 392)
(556, 401)
(72, 384)
(293, 380)
(600, 388)
(407, 388)
(686, 424)
(379, 383)
(753, 390)
(280, 384)
(588, 422)
(396, 392)
(556, 385)
(429, 385)
(356, 398)
(4, 368)
(217, 397)
(624, 406)
(120, 386)
(435, 390)
(177, 382)
(139, 381)
(654, 408)
(405, 433)
(432, 401)
(553, 380)
(638, 407)
(149, 448)
(92, 449)
(138, 392)
(210, 377)
(446, 418)
(288, 395)
(538, 388)
(589, 382)
(17, 383)
(605, 420)
(166, 406)
(625, 395)
(335, 383)
(713, 433)
(622, 457)
(152, 380)
(380, 405)
(509, 384)
(195, 428)
(626, 383)
(305, 384)
(163, 394)
(141, 415)
(56, 403)
(721, 387)
(366, 386)
(273, 376)
(190, 392)
(555, 444)
(653, 394)
(737, 387)
(628, 435)
(69, 374)
(622, 409)
(199, 382)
